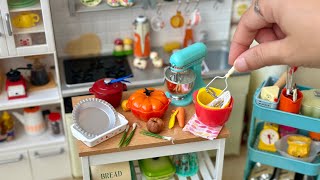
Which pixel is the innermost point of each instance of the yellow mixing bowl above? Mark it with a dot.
(205, 98)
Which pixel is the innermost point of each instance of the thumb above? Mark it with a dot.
(265, 54)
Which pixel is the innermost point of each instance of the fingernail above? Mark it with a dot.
(240, 64)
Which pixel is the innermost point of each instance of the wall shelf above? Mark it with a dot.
(39, 28)
(35, 7)
(25, 141)
(37, 98)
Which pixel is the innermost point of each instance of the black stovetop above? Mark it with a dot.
(91, 69)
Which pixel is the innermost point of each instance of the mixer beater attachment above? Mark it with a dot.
(225, 77)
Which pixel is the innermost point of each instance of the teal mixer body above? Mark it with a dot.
(187, 59)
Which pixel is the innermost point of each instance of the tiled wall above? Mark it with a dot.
(109, 25)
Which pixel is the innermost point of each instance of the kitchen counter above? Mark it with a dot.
(154, 76)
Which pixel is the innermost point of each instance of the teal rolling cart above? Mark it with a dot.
(261, 114)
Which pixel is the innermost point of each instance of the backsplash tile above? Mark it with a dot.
(109, 25)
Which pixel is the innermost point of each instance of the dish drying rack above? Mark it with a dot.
(264, 111)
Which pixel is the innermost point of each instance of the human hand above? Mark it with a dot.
(287, 31)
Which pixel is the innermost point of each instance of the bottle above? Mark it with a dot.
(55, 123)
(8, 124)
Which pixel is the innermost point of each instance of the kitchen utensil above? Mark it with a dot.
(282, 147)
(157, 168)
(207, 101)
(183, 76)
(39, 74)
(110, 91)
(25, 20)
(188, 37)
(186, 164)
(141, 37)
(271, 93)
(212, 117)
(16, 86)
(148, 103)
(289, 82)
(55, 123)
(93, 117)
(157, 23)
(225, 77)
(90, 3)
(177, 20)
(32, 119)
(120, 126)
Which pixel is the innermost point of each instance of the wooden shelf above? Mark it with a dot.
(39, 28)
(25, 141)
(35, 7)
(37, 98)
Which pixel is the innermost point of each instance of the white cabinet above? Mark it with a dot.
(18, 40)
(15, 165)
(50, 162)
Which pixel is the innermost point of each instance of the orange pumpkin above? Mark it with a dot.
(148, 103)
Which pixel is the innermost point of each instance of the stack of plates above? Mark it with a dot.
(21, 3)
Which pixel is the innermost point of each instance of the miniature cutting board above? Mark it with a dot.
(85, 45)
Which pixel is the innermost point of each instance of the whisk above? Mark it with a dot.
(226, 76)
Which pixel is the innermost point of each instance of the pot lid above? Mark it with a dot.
(104, 88)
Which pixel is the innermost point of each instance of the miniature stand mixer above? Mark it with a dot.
(183, 77)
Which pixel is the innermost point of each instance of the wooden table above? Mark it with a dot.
(142, 147)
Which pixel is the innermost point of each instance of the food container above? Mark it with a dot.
(55, 123)
(148, 103)
(160, 168)
(282, 148)
(112, 93)
(212, 117)
(286, 103)
(299, 146)
(264, 103)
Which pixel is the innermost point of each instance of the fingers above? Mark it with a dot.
(248, 27)
(266, 35)
(265, 54)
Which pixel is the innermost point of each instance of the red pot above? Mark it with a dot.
(112, 93)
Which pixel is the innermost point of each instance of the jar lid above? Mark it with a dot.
(55, 116)
(101, 87)
(32, 109)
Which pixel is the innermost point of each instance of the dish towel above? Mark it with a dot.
(197, 128)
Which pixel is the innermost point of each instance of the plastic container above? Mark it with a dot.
(186, 164)
(212, 117)
(160, 168)
(264, 103)
(286, 103)
(55, 123)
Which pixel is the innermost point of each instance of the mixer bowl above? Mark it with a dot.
(179, 84)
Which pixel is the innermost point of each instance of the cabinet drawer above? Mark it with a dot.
(15, 166)
(51, 162)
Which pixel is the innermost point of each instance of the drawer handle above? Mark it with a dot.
(43, 155)
(8, 161)
(8, 24)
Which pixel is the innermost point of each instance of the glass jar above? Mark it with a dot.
(55, 123)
